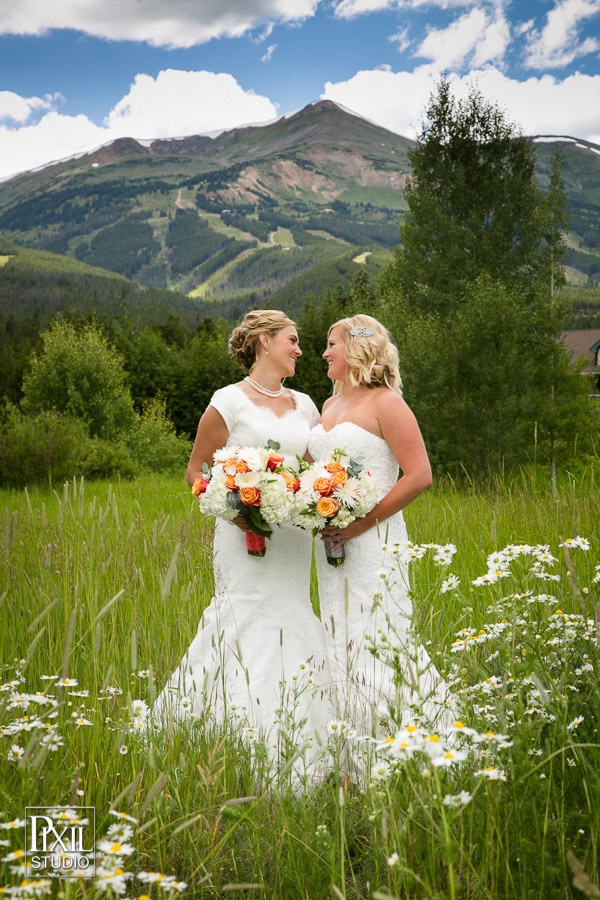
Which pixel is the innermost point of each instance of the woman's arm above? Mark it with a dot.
(401, 431)
(212, 434)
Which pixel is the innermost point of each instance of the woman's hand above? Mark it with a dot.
(241, 522)
(337, 537)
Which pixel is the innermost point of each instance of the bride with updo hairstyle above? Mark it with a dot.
(368, 595)
(260, 626)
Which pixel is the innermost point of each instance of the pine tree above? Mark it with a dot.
(472, 204)
(565, 415)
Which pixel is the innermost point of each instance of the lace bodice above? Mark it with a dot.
(251, 425)
(375, 451)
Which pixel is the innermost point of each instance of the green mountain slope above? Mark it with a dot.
(248, 211)
(40, 284)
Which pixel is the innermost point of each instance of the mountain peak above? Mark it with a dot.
(324, 104)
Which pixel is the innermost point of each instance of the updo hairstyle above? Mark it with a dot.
(372, 360)
(244, 341)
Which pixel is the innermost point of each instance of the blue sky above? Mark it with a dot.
(77, 73)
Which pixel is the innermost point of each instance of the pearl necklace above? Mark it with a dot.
(262, 390)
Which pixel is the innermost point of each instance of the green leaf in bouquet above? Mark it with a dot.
(302, 464)
(233, 501)
(272, 445)
(205, 469)
(257, 523)
(355, 467)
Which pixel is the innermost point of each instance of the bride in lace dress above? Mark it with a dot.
(258, 639)
(367, 597)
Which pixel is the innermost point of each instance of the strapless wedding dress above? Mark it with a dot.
(367, 599)
(259, 637)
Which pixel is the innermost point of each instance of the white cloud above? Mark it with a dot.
(176, 23)
(558, 44)
(524, 27)
(494, 44)
(543, 105)
(178, 103)
(401, 38)
(347, 9)
(173, 104)
(393, 99)
(266, 57)
(54, 137)
(265, 33)
(475, 36)
(19, 109)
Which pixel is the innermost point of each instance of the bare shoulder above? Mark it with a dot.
(328, 403)
(388, 403)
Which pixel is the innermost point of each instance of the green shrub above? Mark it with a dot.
(80, 375)
(105, 459)
(153, 443)
(44, 447)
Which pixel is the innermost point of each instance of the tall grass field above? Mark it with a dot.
(102, 588)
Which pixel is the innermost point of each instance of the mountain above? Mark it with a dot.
(248, 214)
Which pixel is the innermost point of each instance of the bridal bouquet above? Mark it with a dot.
(334, 492)
(252, 482)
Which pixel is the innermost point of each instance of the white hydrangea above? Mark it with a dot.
(276, 501)
(214, 502)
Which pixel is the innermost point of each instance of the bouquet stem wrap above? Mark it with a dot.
(334, 557)
(256, 544)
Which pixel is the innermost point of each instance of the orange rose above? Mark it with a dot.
(292, 483)
(339, 478)
(327, 507)
(274, 460)
(200, 486)
(250, 496)
(241, 466)
(323, 486)
(229, 464)
(230, 483)
(334, 467)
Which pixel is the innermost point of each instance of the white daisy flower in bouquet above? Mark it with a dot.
(349, 493)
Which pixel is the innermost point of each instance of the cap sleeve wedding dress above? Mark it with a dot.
(260, 626)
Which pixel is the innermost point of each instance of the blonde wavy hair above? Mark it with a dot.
(373, 360)
(245, 339)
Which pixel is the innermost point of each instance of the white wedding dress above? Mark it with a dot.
(246, 661)
(367, 598)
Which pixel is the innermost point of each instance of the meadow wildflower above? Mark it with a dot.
(492, 773)
(124, 816)
(457, 800)
(450, 584)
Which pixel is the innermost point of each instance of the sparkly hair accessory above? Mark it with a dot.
(361, 331)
